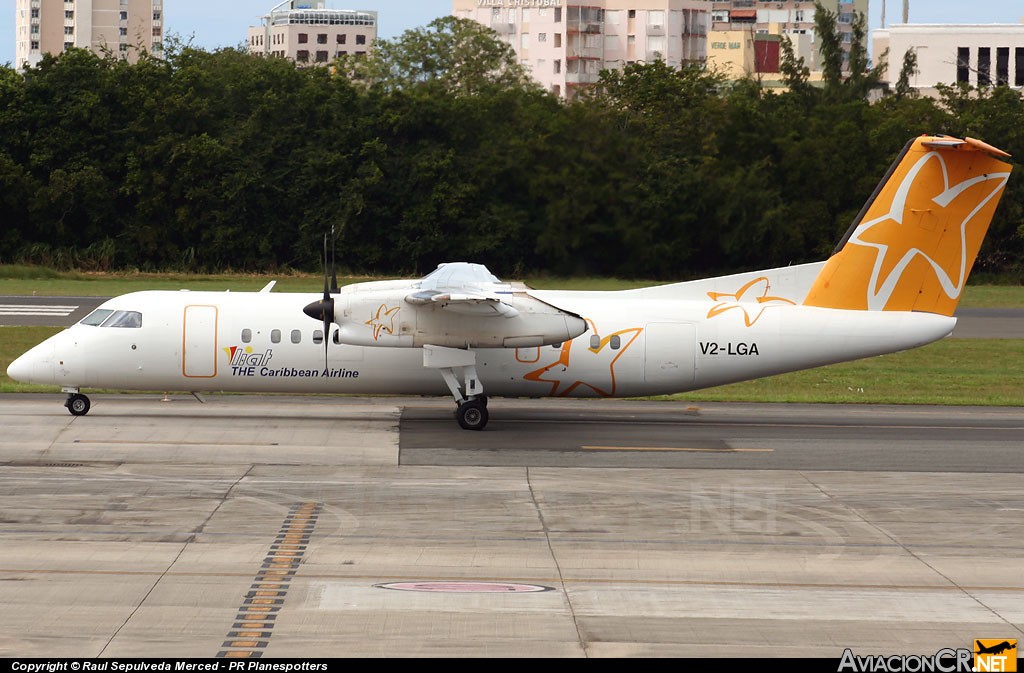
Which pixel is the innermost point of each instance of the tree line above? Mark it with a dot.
(438, 147)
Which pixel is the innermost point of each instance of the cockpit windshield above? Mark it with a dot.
(103, 317)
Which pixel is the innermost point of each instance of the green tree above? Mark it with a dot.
(459, 56)
(907, 72)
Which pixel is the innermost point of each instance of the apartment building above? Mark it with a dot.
(124, 27)
(565, 44)
(792, 17)
(975, 54)
(738, 54)
(307, 32)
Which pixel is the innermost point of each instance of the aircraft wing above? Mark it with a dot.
(462, 285)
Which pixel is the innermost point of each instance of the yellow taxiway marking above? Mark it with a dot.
(672, 448)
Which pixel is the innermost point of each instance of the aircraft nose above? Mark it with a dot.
(35, 366)
(20, 369)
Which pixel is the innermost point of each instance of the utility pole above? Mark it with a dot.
(906, 11)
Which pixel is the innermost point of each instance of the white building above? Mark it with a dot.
(122, 27)
(979, 54)
(565, 44)
(306, 31)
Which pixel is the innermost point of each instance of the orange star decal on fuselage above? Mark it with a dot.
(752, 295)
(384, 321)
(578, 365)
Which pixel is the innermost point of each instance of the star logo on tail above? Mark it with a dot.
(752, 299)
(919, 202)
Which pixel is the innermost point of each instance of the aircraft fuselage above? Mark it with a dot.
(261, 342)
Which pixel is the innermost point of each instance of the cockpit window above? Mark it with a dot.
(96, 317)
(124, 319)
(104, 317)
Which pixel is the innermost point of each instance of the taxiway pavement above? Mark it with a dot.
(314, 527)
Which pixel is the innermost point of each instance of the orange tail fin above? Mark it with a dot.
(914, 243)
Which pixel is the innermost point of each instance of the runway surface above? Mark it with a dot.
(45, 311)
(314, 527)
(972, 323)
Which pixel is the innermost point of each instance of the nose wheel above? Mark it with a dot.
(78, 404)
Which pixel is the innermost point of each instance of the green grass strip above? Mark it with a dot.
(987, 372)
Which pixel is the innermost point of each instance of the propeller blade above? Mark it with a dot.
(334, 266)
(323, 309)
(326, 287)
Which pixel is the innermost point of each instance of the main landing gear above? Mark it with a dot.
(77, 403)
(472, 414)
(454, 363)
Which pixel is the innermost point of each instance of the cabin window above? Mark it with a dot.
(615, 342)
(246, 335)
(318, 336)
(275, 336)
(595, 342)
(296, 336)
(557, 345)
(337, 337)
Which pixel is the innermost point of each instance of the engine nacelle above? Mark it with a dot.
(381, 314)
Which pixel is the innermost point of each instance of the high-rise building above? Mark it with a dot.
(306, 31)
(789, 17)
(565, 44)
(125, 28)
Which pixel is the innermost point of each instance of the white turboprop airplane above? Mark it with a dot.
(892, 284)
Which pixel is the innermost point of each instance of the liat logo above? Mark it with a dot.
(245, 357)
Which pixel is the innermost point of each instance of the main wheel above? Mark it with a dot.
(472, 415)
(78, 404)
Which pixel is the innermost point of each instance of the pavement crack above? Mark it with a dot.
(177, 556)
(558, 568)
(143, 601)
(224, 499)
(910, 552)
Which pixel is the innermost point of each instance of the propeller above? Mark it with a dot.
(334, 267)
(324, 308)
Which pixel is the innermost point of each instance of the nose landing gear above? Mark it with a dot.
(78, 404)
